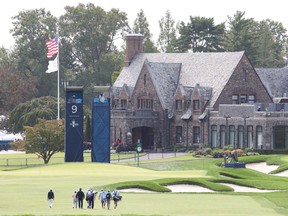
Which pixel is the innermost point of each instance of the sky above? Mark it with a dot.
(154, 10)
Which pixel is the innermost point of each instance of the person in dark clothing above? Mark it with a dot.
(50, 198)
(108, 199)
(80, 196)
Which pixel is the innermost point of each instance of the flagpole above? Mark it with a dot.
(58, 81)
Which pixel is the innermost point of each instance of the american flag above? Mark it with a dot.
(52, 46)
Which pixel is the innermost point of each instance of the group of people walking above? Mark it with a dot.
(104, 197)
(79, 196)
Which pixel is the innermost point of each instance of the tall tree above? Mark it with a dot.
(201, 35)
(88, 39)
(141, 26)
(241, 35)
(271, 43)
(31, 29)
(88, 34)
(45, 139)
(167, 36)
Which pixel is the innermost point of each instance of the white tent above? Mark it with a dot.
(5, 136)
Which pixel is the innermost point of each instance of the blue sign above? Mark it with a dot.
(101, 130)
(74, 125)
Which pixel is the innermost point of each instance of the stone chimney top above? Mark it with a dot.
(134, 45)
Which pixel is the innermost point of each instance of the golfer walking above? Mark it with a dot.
(80, 196)
(50, 198)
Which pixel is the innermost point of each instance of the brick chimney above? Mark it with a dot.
(134, 45)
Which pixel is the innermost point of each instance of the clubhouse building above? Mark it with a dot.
(165, 100)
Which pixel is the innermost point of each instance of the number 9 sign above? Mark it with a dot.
(74, 109)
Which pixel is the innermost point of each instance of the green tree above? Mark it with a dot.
(271, 43)
(141, 26)
(31, 29)
(241, 35)
(4, 58)
(88, 34)
(28, 113)
(45, 139)
(167, 36)
(201, 35)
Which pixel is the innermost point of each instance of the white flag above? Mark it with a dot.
(53, 66)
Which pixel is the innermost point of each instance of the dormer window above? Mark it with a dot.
(123, 104)
(179, 105)
(115, 103)
(196, 104)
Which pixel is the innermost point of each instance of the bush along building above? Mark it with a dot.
(166, 100)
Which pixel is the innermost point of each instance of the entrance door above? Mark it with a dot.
(146, 136)
(280, 137)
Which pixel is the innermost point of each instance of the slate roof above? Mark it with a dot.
(165, 77)
(275, 80)
(207, 69)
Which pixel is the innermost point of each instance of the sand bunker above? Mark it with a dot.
(136, 190)
(182, 188)
(185, 188)
(188, 188)
(238, 188)
(262, 167)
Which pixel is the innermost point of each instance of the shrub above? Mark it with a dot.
(217, 153)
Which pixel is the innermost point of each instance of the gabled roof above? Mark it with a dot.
(208, 69)
(275, 80)
(165, 77)
(117, 90)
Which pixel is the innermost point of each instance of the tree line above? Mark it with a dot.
(89, 55)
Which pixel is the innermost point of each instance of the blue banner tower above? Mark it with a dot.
(101, 128)
(74, 124)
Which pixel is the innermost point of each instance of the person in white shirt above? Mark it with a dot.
(74, 199)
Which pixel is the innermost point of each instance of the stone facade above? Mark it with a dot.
(167, 100)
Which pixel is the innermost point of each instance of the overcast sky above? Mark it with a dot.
(180, 10)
